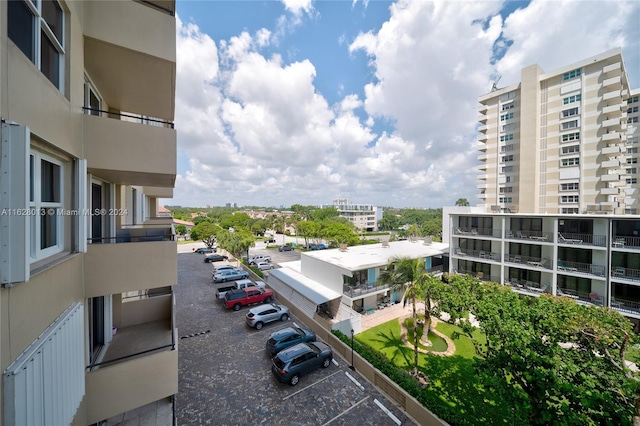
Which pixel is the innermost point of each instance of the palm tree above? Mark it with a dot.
(408, 274)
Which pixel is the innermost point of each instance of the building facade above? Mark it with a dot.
(562, 142)
(364, 216)
(87, 97)
(593, 259)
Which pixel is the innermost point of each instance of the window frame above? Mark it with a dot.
(39, 209)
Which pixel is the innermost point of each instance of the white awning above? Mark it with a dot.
(307, 287)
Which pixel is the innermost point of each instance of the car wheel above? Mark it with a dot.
(294, 380)
(224, 280)
(267, 299)
(258, 326)
(236, 307)
(326, 362)
(284, 317)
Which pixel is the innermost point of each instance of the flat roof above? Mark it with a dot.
(356, 258)
(307, 287)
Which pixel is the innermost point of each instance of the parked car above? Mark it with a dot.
(235, 299)
(263, 266)
(288, 365)
(259, 258)
(215, 257)
(221, 291)
(224, 276)
(221, 268)
(317, 246)
(288, 336)
(285, 248)
(271, 241)
(261, 315)
(203, 250)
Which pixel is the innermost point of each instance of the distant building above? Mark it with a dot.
(364, 216)
(562, 142)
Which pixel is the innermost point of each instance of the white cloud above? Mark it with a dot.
(253, 128)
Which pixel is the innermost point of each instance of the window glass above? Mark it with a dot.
(20, 27)
(50, 60)
(52, 14)
(48, 229)
(50, 182)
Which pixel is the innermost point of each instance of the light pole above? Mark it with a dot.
(351, 366)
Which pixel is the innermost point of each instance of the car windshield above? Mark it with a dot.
(278, 363)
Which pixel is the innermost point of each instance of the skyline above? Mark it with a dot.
(303, 102)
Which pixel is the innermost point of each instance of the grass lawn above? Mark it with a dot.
(438, 344)
(453, 379)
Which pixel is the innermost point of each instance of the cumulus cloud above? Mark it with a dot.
(254, 129)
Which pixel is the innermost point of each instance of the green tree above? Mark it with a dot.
(320, 215)
(389, 221)
(410, 275)
(205, 231)
(551, 357)
(181, 229)
(337, 233)
(433, 227)
(462, 202)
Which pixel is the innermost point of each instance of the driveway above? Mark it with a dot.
(225, 377)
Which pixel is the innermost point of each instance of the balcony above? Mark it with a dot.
(610, 191)
(482, 157)
(527, 287)
(158, 191)
(613, 83)
(625, 242)
(582, 268)
(611, 164)
(357, 290)
(141, 362)
(612, 124)
(128, 266)
(614, 137)
(610, 177)
(477, 232)
(482, 137)
(614, 95)
(483, 128)
(129, 153)
(613, 110)
(613, 69)
(130, 54)
(579, 296)
(613, 150)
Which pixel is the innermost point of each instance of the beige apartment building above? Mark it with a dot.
(365, 217)
(87, 97)
(562, 142)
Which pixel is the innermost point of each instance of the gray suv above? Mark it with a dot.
(299, 360)
(261, 315)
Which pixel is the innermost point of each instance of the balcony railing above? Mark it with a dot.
(529, 287)
(622, 272)
(536, 262)
(477, 232)
(136, 235)
(621, 241)
(537, 236)
(480, 275)
(592, 298)
(361, 289)
(583, 268)
(625, 305)
(479, 254)
(131, 118)
(582, 239)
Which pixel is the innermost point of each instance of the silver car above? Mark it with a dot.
(263, 314)
(263, 266)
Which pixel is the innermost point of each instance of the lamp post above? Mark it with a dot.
(351, 366)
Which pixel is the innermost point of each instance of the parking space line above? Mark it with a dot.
(389, 413)
(311, 385)
(353, 379)
(333, 360)
(347, 410)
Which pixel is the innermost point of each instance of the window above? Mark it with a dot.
(569, 186)
(631, 181)
(507, 179)
(632, 110)
(631, 171)
(506, 158)
(571, 137)
(572, 99)
(570, 112)
(570, 210)
(507, 96)
(506, 148)
(633, 150)
(568, 162)
(506, 116)
(631, 120)
(573, 149)
(633, 100)
(506, 169)
(508, 127)
(92, 100)
(632, 140)
(571, 74)
(632, 161)
(505, 138)
(505, 200)
(570, 199)
(630, 211)
(570, 124)
(506, 190)
(45, 197)
(36, 27)
(508, 106)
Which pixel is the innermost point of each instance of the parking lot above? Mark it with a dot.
(224, 369)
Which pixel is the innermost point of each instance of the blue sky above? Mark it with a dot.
(296, 101)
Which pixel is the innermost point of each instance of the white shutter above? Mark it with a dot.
(14, 205)
(83, 218)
